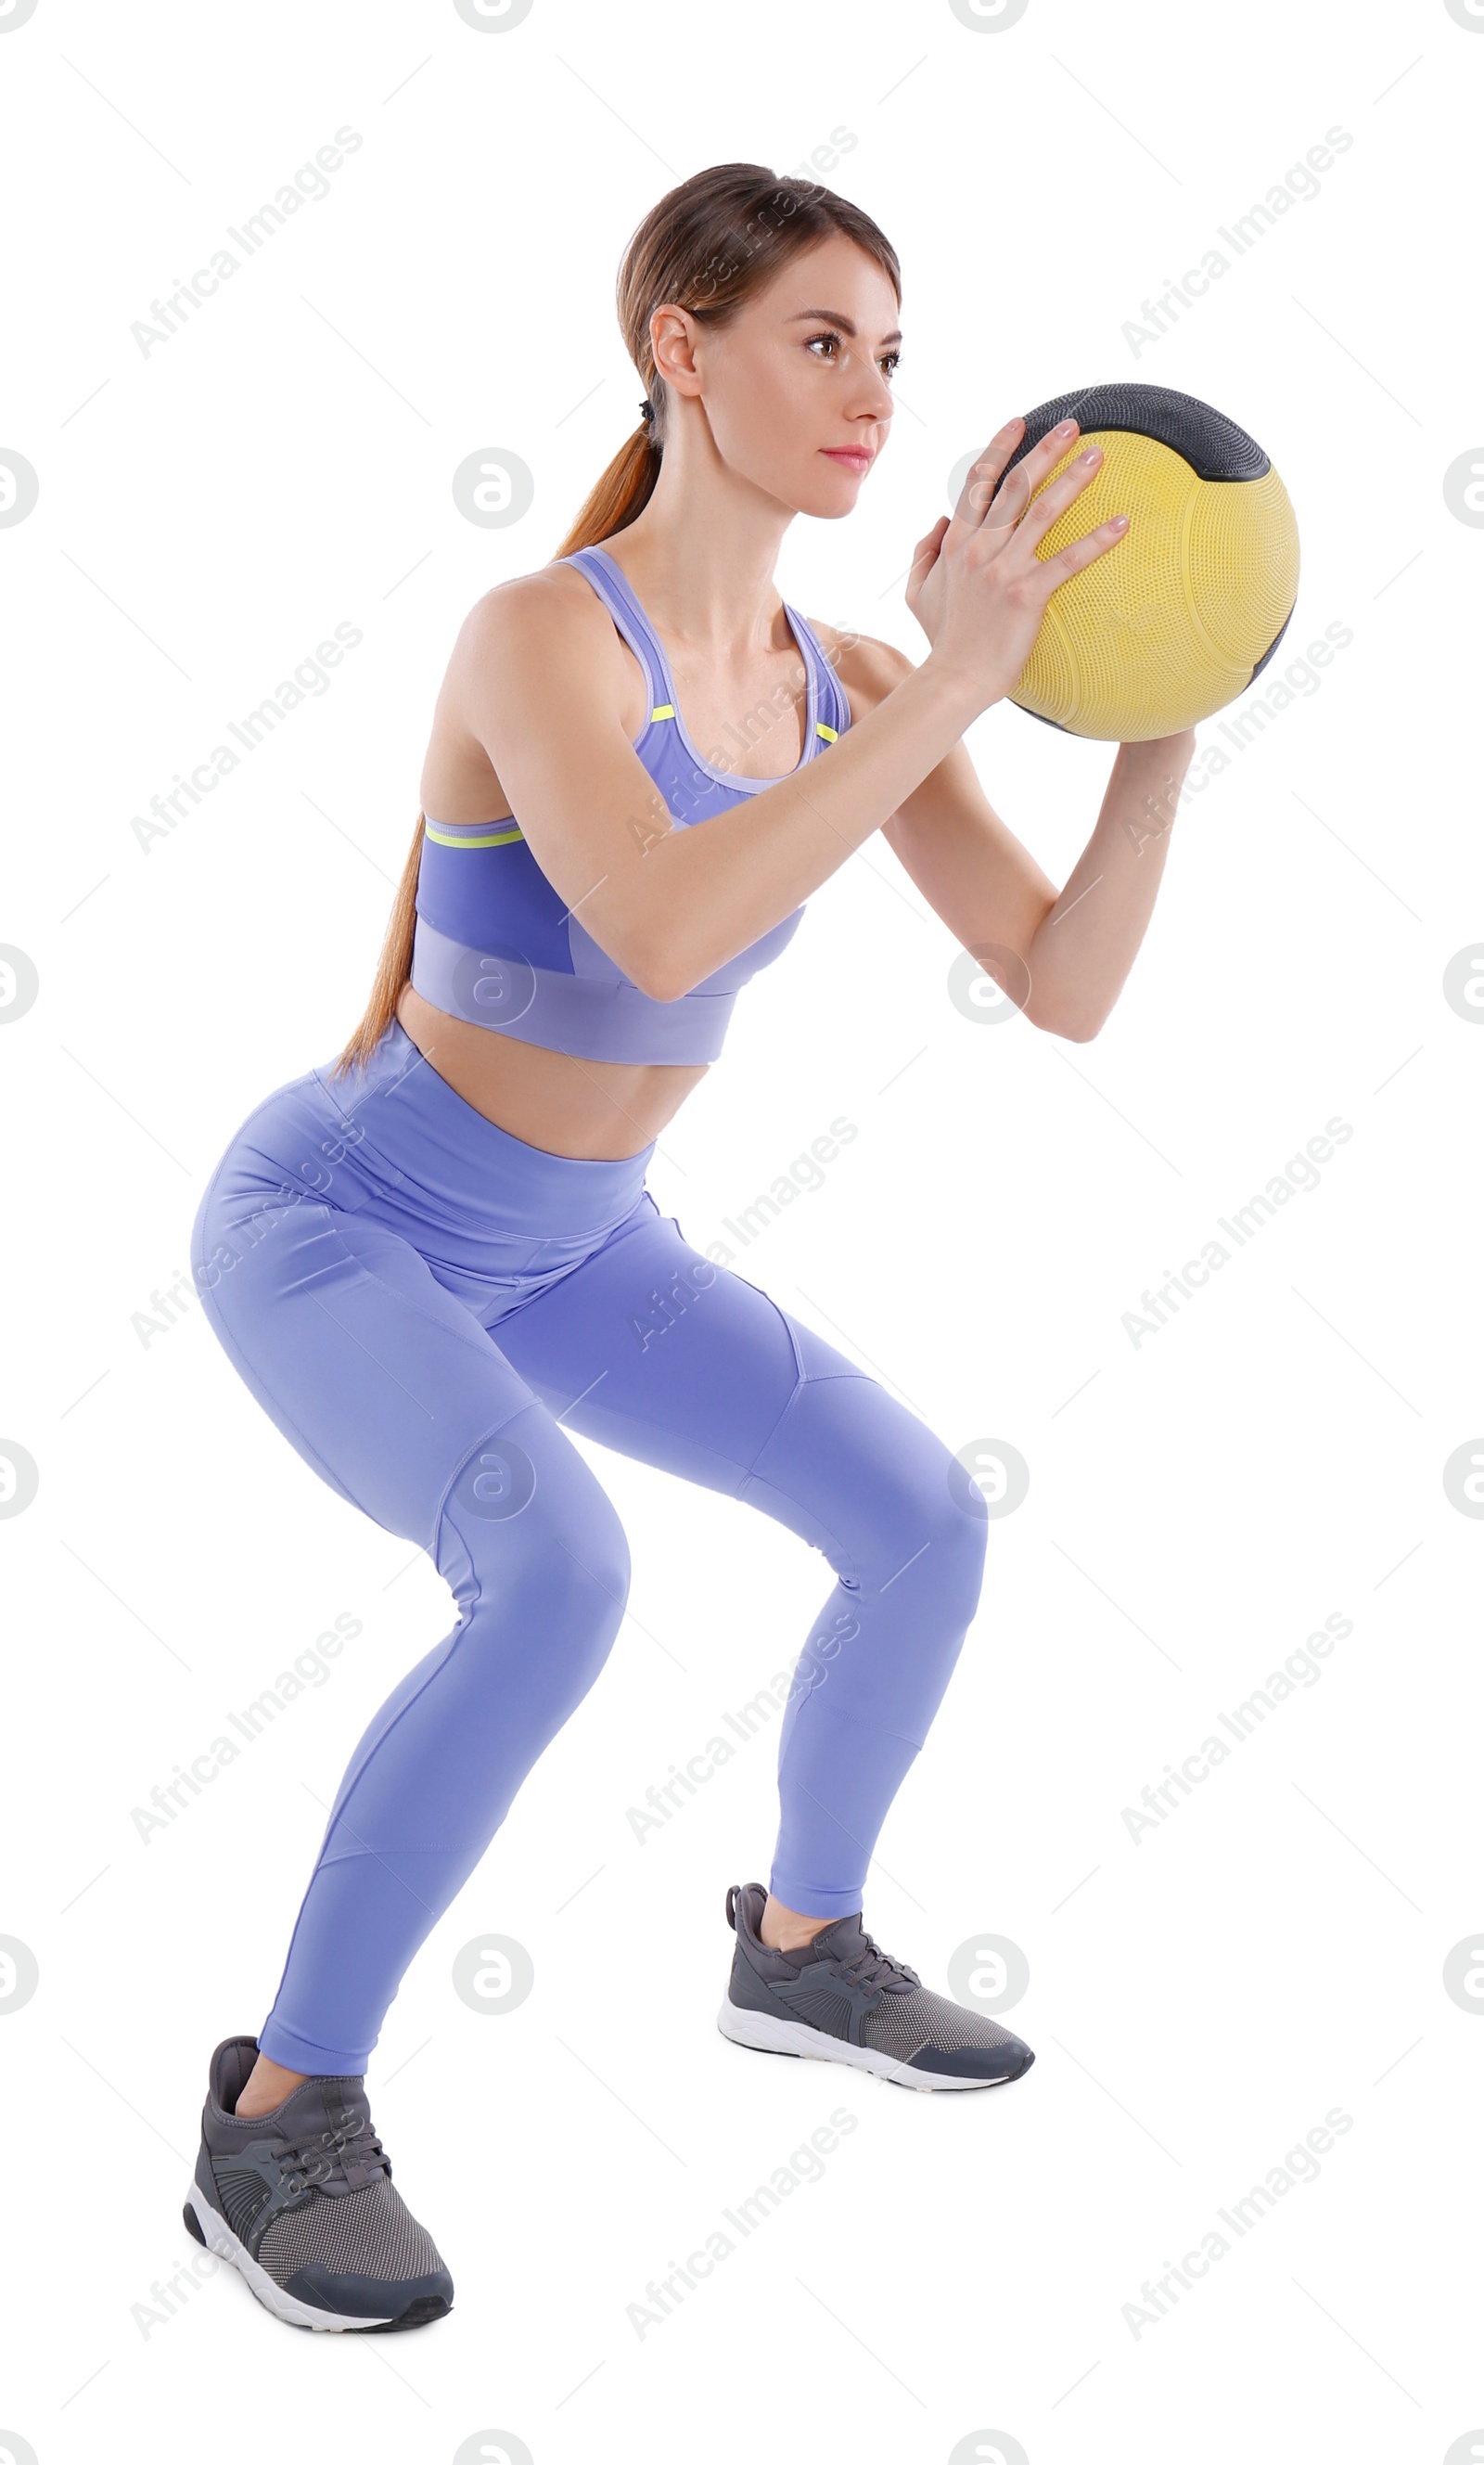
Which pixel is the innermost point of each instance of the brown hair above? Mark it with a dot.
(709, 246)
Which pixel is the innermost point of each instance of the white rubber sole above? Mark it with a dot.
(220, 2238)
(772, 2036)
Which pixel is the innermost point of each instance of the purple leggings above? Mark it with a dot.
(425, 1307)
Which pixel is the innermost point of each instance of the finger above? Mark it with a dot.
(924, 556)
(1002, 510)
(983, 476)
(1058, 494)
(1083, 552)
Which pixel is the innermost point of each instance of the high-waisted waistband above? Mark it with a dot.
(427, 1144)
(495, 1220)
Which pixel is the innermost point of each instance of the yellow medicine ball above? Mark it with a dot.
(1177, 618)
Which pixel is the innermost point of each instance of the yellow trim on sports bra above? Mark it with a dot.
(496, 838)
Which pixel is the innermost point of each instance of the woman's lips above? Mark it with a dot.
(854, 457)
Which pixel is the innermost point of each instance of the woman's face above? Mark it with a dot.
(797, 391)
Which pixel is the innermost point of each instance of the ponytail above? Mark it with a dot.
(619, 497)
(394, 968)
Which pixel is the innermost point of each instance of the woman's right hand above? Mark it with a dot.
(977, 587)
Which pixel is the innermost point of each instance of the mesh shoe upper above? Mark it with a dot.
(373, 2233)
(844, 1985)
(308, 2187)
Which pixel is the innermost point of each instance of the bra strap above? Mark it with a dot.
(630, 618)
(832, 709)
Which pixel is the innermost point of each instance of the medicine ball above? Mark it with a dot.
(1177, 618)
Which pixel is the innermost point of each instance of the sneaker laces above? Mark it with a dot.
(871, 1966)
(325, 2156)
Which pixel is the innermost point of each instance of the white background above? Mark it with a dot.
(1198, 1504)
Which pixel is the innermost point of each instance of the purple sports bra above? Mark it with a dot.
(495, 945)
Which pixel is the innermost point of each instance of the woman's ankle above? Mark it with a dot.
(267, 2085)
(783, 1929)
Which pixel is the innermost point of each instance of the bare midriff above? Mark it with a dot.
(557, 1100)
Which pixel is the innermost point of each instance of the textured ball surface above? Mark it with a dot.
(1177, 618)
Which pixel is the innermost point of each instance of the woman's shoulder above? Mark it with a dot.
(555, 597)
(545, 631)
(868, 670)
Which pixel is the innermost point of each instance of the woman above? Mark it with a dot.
(433, 1259)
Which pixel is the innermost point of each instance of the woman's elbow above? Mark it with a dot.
(1068, 1027)
(652, 969)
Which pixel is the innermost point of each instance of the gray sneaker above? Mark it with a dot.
(300, 2200)
(844, 2000)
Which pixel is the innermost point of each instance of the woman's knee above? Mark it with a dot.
(903, 1512)
(941, 1515)
(525, 1518)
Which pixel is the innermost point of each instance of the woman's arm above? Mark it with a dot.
(1075, 945)
(537, 681)
(1086, 942)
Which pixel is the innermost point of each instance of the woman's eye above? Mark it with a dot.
(889, 362)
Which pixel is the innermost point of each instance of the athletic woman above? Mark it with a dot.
(436, 1257)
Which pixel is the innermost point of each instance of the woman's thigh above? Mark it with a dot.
(653, 1350)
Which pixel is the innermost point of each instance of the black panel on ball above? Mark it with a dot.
(1214, 445)
(1274, 644)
